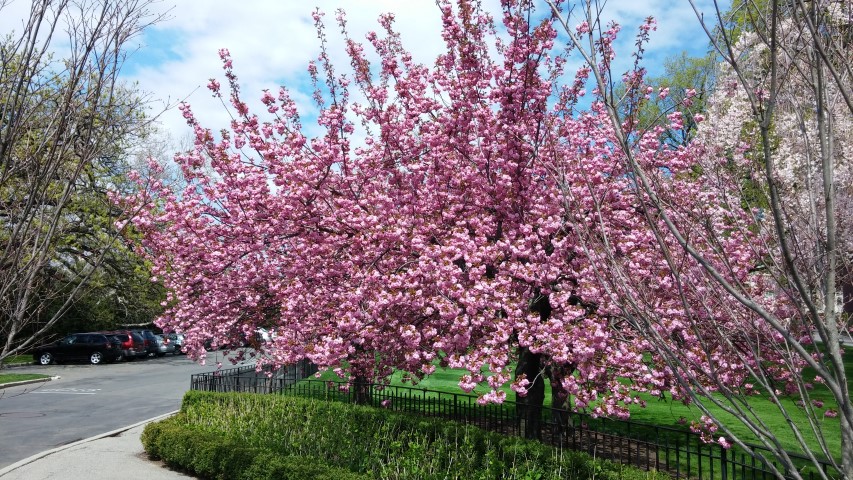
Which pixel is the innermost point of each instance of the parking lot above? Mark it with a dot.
(90, 399)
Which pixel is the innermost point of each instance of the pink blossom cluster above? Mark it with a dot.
(706, 428)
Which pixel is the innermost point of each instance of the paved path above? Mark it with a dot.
(116, 454)
(87, 400)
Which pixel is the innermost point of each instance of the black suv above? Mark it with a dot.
(93, 347)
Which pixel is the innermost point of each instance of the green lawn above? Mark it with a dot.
(668, 413)
(18, 359)
(17, 377)
(443, 380)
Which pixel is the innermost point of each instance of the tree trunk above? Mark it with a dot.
(529, 407)
(531, 366)
(361, 390)
(560, 417)
(846, 442)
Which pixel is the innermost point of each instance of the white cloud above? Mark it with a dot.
(272, 42)
(11, 18)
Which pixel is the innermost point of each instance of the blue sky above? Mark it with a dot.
(272, 41)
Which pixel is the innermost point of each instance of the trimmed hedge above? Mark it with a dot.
(209, 455)
(226, 435)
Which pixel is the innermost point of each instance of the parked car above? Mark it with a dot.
(263, 335)
(132, 344)
(164, 346)
(150, 341)
(95, 348)
(177, 340)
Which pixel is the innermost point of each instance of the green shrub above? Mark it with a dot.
(273, 467)
(284, 431)
(211, 456)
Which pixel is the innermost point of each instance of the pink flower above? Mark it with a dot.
(676, 120)
(520, 386)
(213, 85)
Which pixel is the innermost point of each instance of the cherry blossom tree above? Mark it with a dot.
(472, 214)
(423, 227)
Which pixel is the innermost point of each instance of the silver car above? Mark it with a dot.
(177, 339)
(165, 345)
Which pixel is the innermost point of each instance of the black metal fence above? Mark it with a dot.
(250, 379)
(678, 452)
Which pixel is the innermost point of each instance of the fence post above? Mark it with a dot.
(723, 463)
(677, 457)
(657, 449)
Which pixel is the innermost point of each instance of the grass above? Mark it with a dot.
(18, 377)
(673, 414)
(669, 413)
(442, 380)
(15, 359)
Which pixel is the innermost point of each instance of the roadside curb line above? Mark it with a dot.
(113, 433)
(28, 382)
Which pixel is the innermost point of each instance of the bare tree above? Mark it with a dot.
(60, 121)
(783, 104)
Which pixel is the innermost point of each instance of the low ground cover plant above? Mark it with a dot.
(240, 435)
(18, 377)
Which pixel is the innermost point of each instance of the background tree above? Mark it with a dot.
(684, 78)
(776, 151)
(119, 291)
(66, 126)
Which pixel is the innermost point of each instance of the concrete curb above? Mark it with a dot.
(113, 433)
(28, 382)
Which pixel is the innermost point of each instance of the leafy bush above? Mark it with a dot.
(214, 456)
(250, 431)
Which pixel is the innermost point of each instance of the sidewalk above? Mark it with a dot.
(116, 454)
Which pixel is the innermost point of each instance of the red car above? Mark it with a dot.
(132, 344)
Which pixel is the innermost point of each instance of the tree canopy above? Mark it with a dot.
(67, 126)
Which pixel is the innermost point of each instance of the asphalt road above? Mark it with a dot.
(90, 399)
